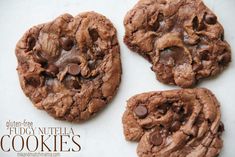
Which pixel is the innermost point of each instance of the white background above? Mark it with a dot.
(102, 136)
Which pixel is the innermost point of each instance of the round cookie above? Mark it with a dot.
(184, 122)
(70, 67)
(181, 38)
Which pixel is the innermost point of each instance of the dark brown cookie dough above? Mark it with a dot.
(70, 67)
(181, 38)
(174, 123)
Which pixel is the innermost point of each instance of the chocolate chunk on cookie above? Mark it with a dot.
(70, 67)
(185, 122)
(181, 38)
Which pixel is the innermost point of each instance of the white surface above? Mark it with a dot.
(101, 136)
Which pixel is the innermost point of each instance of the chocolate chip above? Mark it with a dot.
(52, 70)
(210, 19)
(175, 126)
(156, 139)
(31, 42)
(74, 69)
(93, 34)
(67, 43)
(141, 111)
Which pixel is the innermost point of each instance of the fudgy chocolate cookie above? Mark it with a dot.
(174, 123)
(181, 38)
(70, 67)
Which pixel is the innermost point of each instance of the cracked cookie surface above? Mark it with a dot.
(181, 38)
(182, 123)
(70, 67)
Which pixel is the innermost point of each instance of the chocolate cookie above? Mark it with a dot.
(70, 67)
(181, 38)
(174, 123)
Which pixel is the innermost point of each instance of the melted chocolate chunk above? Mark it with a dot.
(210, 19)
(52, 70)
